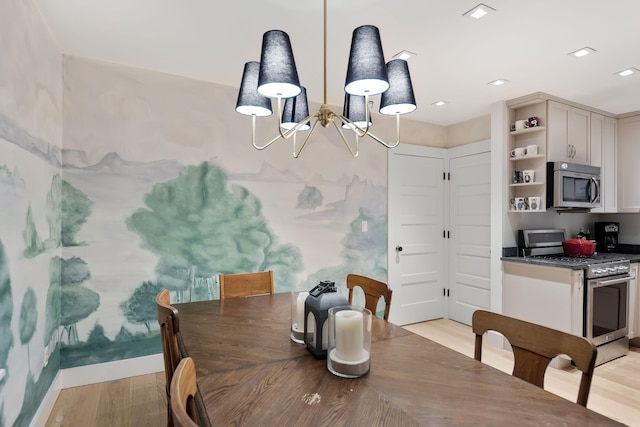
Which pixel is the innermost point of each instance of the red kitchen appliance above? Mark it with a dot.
(579, 248)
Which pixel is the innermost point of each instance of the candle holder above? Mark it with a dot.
(298, 299)
(321, 298)
(349, 350)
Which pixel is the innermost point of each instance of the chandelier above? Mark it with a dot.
(276, 77)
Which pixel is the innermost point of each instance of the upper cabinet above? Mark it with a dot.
(568, 133)
(604, 146)
(628, 155)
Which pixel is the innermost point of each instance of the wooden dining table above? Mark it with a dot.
(250, 373)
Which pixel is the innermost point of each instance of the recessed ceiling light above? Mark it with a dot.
(439, 103)
(582, 52)
(498, 82)
(479, 11)
(627, 72)
(405, 54)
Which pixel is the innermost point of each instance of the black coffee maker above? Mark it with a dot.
(607, 236)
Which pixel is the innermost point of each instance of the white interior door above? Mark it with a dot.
(470, 235)
(416, 244)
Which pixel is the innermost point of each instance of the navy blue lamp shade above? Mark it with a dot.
(399, 99)
(366, 72)
(295, 109)
(250, 102)
(278, 76)
(355, 110)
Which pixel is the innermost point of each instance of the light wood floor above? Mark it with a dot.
(140, 401)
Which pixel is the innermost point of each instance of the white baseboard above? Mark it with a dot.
(91, 374)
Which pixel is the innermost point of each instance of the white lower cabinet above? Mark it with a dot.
(549, 296)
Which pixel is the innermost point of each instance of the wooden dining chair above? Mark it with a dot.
(373, 290)
(169, 322)
(183, 393)
(534, 346)
(245, 284)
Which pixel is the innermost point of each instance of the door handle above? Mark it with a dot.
(398, 248)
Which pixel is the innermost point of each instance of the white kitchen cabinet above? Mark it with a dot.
(603, 153)
(549, 296)
(628, 172)
(568, 133)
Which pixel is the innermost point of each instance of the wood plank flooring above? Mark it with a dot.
(140, 401)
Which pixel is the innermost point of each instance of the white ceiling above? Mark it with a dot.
(524, 42)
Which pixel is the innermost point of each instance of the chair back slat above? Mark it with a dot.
(183, 393)
(373, 290)
(534, 346)
(246, 284)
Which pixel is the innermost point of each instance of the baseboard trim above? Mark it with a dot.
(91, 374)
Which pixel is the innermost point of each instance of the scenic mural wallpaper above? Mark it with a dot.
(118, 182)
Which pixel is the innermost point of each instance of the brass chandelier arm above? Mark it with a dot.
(295, 155)
(346, 143)
(282, 135)
(362, 132)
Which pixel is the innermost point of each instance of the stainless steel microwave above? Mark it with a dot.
(572, 186)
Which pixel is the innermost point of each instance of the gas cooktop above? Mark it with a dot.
(595, 259)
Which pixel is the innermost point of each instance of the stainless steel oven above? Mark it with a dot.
(606, 308)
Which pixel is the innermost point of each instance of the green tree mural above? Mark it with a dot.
(52, 311)
(97, 338)
(33, 244)
(28, 319)
(141, 307)
(76, 207)
(362, 253)
(310, 198)
(201, 225)
(6, 311)
(67, 210)
(54, 212)
(76, 301)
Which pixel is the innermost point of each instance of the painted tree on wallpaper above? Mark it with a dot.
(28, 319)
(52, 310)
(310, 198)
(67, 209)
(362, 253)
(76, 301)
(201, 225)
(141, 308)
(6, 311)
(32, 243)
(75, 207)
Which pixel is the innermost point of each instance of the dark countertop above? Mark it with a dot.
(560, 263)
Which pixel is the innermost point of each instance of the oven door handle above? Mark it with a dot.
(615, 281)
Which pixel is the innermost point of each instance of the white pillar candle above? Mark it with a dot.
(349, 337)
(302, 297)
